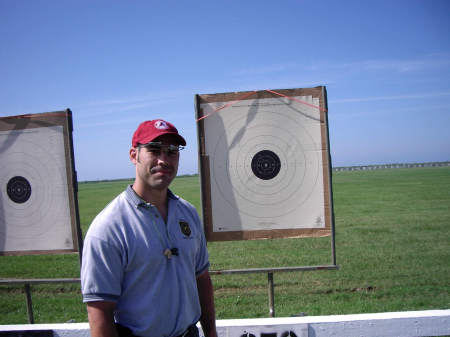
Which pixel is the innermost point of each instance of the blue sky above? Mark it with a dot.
(386, 66)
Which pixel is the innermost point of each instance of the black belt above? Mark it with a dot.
(192, 331)
(123, 331)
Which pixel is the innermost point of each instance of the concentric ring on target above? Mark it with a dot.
(240, 183)
(32, 215)
(18, 189)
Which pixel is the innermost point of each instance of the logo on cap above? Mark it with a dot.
(161, 125)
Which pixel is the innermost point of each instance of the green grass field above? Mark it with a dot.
(392, 243)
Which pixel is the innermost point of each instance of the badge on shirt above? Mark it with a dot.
(185, 229)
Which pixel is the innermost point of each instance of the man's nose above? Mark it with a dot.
(164, 156)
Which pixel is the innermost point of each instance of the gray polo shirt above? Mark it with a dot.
(124, 262)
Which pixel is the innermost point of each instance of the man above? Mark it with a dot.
(145, 262)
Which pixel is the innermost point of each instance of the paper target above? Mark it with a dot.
(34, 198)
(263, 166)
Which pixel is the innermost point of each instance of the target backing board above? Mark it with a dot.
(38, 210)
(265, 164)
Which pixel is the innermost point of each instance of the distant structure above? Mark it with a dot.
(390, 166)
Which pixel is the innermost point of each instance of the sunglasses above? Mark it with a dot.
(157, 147)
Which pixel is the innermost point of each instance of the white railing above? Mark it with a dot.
(398, 324)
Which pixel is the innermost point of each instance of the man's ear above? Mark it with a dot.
(134, 155)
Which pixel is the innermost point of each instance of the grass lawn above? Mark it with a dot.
(392, 244)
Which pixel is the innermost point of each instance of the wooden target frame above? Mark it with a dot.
(38, 197)
(260, 148)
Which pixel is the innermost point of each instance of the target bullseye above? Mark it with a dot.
(18, 189)
(266, 165)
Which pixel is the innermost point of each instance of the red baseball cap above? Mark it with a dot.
(149, 130)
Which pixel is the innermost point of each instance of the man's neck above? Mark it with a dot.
(157, 198)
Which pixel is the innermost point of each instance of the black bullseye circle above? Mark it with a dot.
(266, 165)
(18, 189)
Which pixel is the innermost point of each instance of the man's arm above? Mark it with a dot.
(101, 319)
(206, 295)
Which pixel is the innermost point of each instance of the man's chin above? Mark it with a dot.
(161, 181)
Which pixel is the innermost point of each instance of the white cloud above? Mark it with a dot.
(394, 97)
(423, 62)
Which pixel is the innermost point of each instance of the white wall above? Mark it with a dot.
(398, 324)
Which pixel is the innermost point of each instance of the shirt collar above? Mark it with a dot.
(137, 201)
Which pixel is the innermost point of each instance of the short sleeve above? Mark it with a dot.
(101, 271)
(202, 261)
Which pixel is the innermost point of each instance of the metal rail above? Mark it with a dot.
(27, 286)
(270, 271)
(11, 281)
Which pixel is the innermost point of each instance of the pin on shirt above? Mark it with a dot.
(169, 252)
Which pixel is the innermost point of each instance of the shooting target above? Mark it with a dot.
(265, 166)
(34, 197)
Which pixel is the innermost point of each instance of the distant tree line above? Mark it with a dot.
(338, 168)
